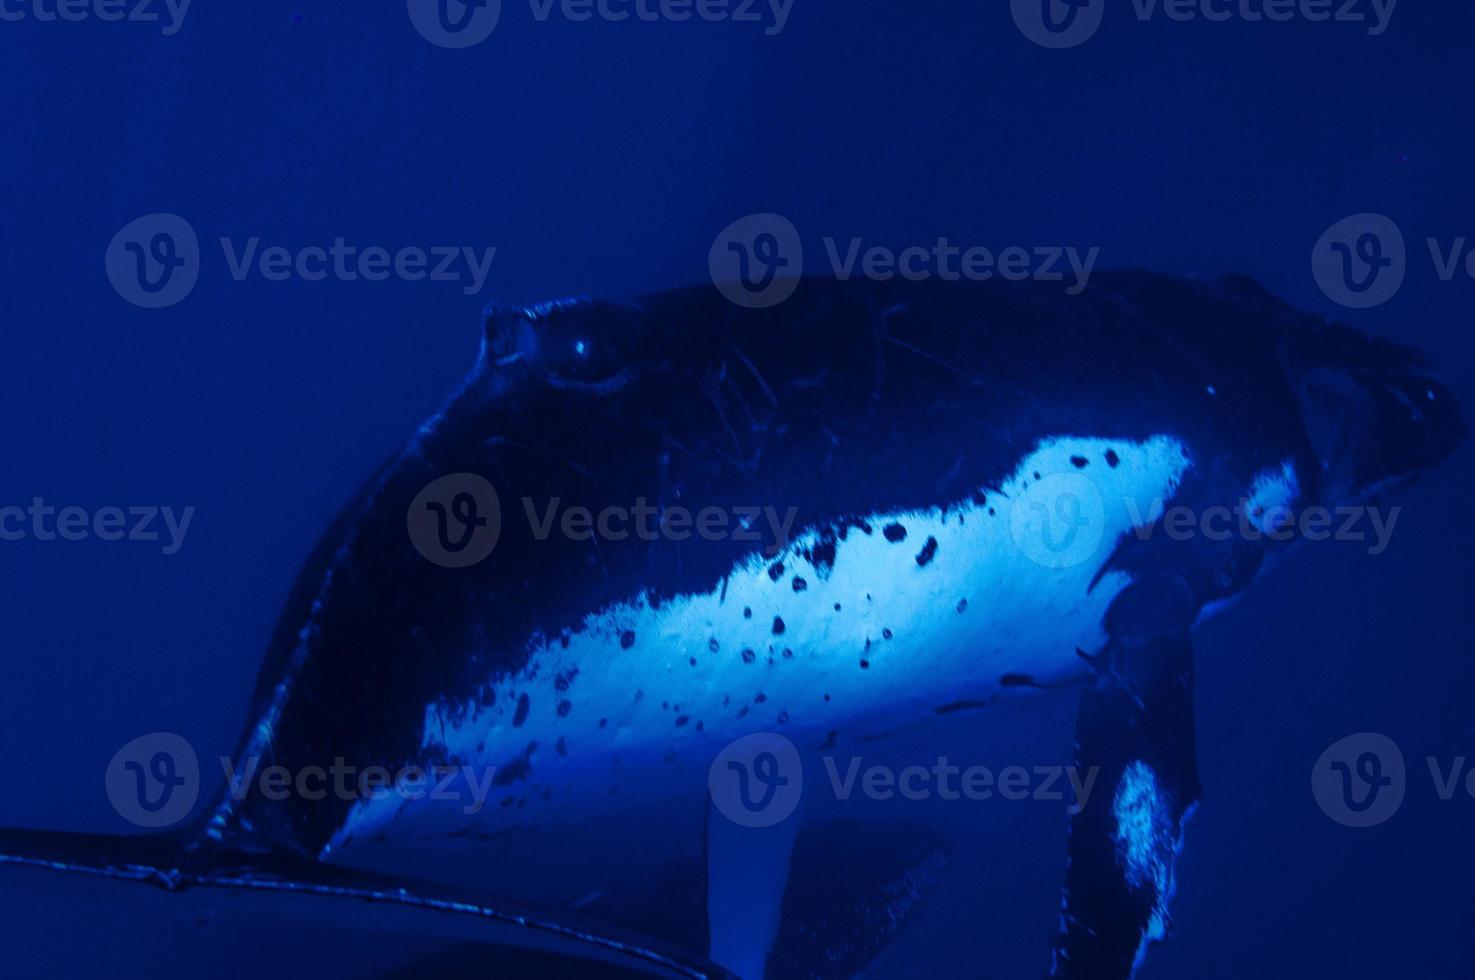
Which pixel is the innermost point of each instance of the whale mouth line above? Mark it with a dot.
(1373, 430)
(611, 385)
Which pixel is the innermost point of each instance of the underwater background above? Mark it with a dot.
(602, 158)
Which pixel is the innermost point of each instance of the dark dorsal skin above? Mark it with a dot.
(852, 398)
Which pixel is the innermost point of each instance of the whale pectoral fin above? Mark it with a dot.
(332, 915)
(1135, 736)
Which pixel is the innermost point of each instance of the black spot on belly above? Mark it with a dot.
(1079, 462)
(894, 533)
(837, 607)
(1017, 680)
(563, 680)
(783, 717)
(776, 570)
(627, 639)
(822, 555)
(886, 634)
(604, 723)
(928, 552)
(778, 626)
(747, 612)
(521, 714)
(1112, 459)
(788, 654)
(749, 656)
(681, 721)
(1037, 477)
(564, 707)
(693, 661)
(865, 665)
(954, 706)
(830, 739)
(799, 584)
(962, 605)
(512, 771)
(713, 645)
(760, 698)
(561, 746)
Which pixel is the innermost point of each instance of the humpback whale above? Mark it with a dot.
(641, 532)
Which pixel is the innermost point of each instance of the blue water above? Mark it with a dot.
(602, 158)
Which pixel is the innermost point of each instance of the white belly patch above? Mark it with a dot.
(840, 636)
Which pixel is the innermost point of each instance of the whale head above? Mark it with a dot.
(1375, 412)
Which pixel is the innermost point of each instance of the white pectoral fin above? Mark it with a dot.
(1135, 735)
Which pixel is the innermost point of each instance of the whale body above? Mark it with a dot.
(919, 499)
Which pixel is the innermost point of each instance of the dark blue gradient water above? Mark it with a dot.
(602, 158)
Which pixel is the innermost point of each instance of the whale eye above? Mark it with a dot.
(587, 359)
(584, 363)
(1431, 395)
